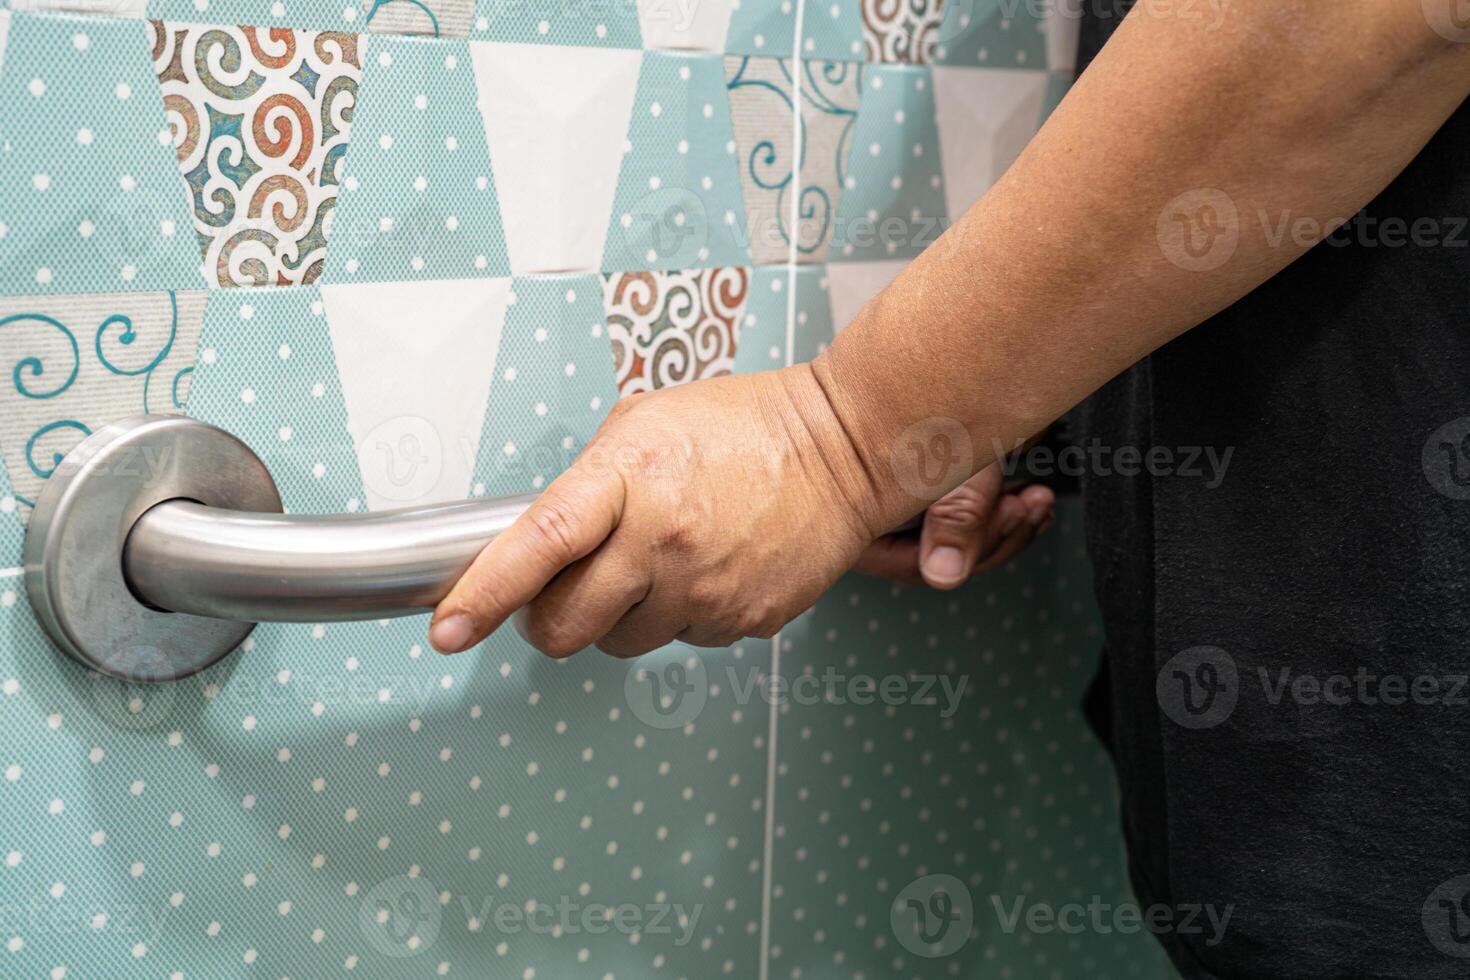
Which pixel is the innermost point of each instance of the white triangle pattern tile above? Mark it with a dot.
(556, 120)
(685, 25)
(4, 35)
(852, 284)
(986, 117)
(416, 361)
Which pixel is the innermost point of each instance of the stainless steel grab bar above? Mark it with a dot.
(159, 542)
(190, 558)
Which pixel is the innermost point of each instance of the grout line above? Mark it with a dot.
(12, 572)
(772, 726)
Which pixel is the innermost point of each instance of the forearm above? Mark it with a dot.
(1071, 267)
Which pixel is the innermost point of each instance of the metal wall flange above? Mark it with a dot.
(77, 533)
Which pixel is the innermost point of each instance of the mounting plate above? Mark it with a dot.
(74, 544)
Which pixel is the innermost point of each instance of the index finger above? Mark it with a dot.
(567, 522)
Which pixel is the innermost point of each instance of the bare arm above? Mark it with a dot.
(1152, 199)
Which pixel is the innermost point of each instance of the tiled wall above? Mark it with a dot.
(420, 263)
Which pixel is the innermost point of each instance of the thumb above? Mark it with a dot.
(955, 529)
(568, 521)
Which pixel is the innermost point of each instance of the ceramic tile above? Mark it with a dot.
(685, 25)
(669, 328)
(266, 373)
(582, 23)
(81, 361)
(999, 34)
(762, 91)
(554, 384)
(985, 117)
(260, 120)
(762, 27)
(12, 523)
(678, 204)
(418, 195)
(431, 18)
(970, 764)
(415, 382)
(833, 31)
(762, 338)
(337, 799)
(903, 31)
(556, 120)
(89, 199)
(892, 203)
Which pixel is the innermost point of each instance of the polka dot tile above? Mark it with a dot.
(266, 373)
(974, 764)
(418, 197)
(762, 335)
(994, 35)
(678, 203)
(90, 197)
(12, 530)
(590, 23)
(892, 204)
(832, 30)
(762, 27)
(320, 15)
(553, 384)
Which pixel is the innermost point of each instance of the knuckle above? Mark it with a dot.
(964, 508)
(555, 525)
(550, 634)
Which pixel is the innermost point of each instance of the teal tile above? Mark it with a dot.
(892, 204)
(928, 734)
(267, 374)
(90, 195)
(993, 34)
(584, 23)
(12, 530)
(678, 204)
(765, 27)
(418, 197)
(832, 30)
(553, 384)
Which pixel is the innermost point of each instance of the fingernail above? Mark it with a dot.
(1008, 527)
(452, 633)
(945, 564)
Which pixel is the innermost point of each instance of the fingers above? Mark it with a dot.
(574, 515)
(647, 626)
(1033, 508)
(582, 604)
(955, 527)
(894, 557)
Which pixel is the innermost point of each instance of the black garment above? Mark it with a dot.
(1338, 543)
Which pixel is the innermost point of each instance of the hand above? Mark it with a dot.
(972, 529)
(703, 513)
